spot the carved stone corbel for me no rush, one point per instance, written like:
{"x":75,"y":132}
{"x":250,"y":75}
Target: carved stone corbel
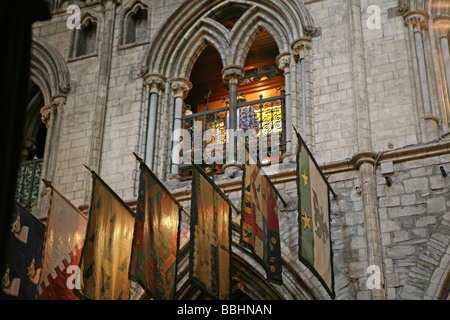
{"x":312,"y":31}
{"x":403,"y":6}
{"x":46,"y":112}
{"x":64,"y":87}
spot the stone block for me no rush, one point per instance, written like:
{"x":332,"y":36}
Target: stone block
{"x":425,"y":221}
{"x":436,"y":205}
{"x":437,"y":182}
{"x":397,"y":212}
{"x":415,"y":184}
{"x":390,"y":225}
{"x":400,"y":251}
{"x":357,"y":269}
{"x":401,"y":235}
{"x":358,"y":243}
{"x":408,"y":199}
{"x":391,"y":201}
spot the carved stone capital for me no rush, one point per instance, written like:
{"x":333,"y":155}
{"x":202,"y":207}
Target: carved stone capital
{"x":180,"y":87}
{"x":418,"y":19}
{"x":58,"y":101}
{"x":283,"y":60}
{"x":233,"y":74}
{"x":301,"y":46}
{"x":364,"y":157}
{"x":156,"y":82}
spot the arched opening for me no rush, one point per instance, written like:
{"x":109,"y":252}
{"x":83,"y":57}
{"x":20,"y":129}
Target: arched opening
{"x":86,"y":38}
{"x":262,"y":75}
{"x":35,"y":130}
{"x":32,"y":150}
{"x":135,"y":28}
{"x":204,"y":104}
{"x":261,"y":97}
{"x":246,"y":284}
{"x":207,"y":85}
{"x":260,"y":102}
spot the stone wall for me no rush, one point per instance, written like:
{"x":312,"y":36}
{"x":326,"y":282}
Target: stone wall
{"x":413,"y":212}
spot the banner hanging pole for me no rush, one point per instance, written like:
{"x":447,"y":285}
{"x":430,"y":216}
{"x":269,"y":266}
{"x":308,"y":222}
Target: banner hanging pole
{"x":321,"y":173}
{"x":141,"y":161}
{"x":202,"y":172}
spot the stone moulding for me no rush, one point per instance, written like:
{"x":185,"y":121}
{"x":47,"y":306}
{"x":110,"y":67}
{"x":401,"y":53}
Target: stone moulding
{"x":289,"y":175}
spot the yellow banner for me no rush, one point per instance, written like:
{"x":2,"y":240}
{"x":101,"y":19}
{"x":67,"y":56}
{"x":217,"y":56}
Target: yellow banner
{"x":106,"y":254}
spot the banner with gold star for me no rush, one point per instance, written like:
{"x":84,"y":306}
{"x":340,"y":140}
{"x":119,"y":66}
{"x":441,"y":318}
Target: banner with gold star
{"x":314,"y":217}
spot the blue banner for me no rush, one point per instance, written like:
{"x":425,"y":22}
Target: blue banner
{"x":24,"y":256}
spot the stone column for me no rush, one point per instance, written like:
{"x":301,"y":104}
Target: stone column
{"x":364,"y":159}
{"x":180,"y":89}
{"x":51,"y":116}
{"x":301,"y":48}
{"x":156,"y":83}
{"x":442,"y":28}
{"x":417,"y":22}
{"x":98,"y":128}
{"x":365,"y":162}
{"x":283,"y":61}
{"x":232,"y":75}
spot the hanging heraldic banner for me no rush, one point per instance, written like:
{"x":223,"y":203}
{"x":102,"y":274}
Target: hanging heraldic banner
{"x":156,"y":238}
{"x":314,"y":217}
{"x":64,"y":241}
{"x":105,"y":258}
{"x":210,"y":255}
{"x":259,"y":219}
{"x":23,"y":262}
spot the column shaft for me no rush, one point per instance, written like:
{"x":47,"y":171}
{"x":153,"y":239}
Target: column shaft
{"x":151,"y":130}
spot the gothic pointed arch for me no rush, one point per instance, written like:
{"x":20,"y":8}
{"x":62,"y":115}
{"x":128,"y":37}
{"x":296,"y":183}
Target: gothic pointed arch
{"x":48,"y":89}
{"x":48,"y":69}
{"x":249,"y":30}
{"x":285,"y":20}
{"x":249,"y":282}
{"x":188,"y":51}
{"x":134,"y":22}
{"x":84,"y":41}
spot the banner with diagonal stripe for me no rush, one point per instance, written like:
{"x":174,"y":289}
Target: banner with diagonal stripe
{"x":259,"y":218}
